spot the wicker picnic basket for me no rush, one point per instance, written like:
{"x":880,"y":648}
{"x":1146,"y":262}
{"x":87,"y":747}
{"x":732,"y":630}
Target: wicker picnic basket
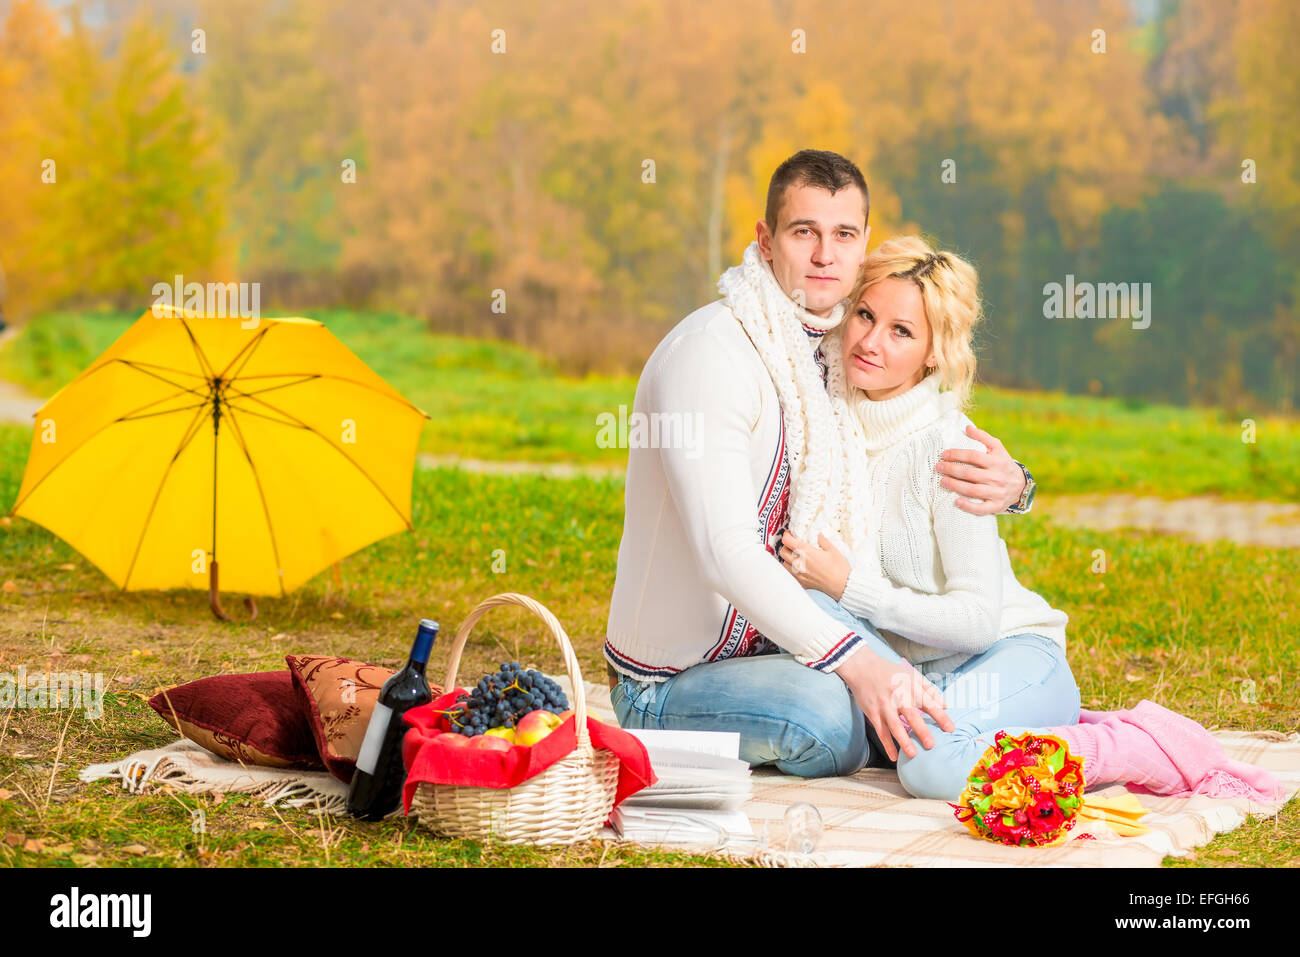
{"x":566,"y":803}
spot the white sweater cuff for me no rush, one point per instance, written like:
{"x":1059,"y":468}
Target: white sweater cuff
{"x":864,"y":594}
{"x":831,"y":647}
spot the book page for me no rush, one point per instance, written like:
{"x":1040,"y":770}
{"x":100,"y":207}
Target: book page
{"x":723,"y":744}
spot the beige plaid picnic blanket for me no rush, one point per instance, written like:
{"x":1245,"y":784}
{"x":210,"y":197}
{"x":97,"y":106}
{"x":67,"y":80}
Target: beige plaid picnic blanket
{"x":869,"y":820}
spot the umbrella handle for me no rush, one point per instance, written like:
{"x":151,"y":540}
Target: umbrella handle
{"x":214,"y":598}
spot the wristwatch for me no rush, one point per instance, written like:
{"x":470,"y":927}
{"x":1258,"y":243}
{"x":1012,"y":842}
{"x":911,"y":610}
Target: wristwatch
{"x":1027,"y":496}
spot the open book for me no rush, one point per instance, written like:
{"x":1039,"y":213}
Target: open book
{"x":702,"y":787}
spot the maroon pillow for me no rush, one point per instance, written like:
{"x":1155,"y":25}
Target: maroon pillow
{"x":252,"y":718}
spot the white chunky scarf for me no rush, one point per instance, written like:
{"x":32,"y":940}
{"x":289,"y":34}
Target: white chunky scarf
{"x":824,"y":442}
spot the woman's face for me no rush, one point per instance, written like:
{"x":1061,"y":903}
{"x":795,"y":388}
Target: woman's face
{"x":887,"y":340}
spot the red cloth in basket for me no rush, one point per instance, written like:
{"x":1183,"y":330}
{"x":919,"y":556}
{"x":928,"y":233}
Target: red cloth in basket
{"x":428,"y":759}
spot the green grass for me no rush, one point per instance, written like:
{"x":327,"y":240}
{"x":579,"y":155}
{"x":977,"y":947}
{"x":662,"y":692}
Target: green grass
{"x":491,"y":400}
{"x":1186,"y":625}
{"x":1083,"y":444}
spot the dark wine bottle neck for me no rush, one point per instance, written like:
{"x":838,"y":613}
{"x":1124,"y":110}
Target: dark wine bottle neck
{"x":424,"y":638}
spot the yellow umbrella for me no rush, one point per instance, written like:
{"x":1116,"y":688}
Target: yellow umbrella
{"x":192,"y":438}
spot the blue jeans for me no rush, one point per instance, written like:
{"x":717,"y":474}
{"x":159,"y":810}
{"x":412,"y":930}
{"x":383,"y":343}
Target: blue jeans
{"x":801,"y":720}
{"x":806,"y":722}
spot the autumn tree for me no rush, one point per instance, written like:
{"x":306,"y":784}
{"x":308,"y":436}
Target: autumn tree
{"x":29,"y":44}
{"x":139,"y":188}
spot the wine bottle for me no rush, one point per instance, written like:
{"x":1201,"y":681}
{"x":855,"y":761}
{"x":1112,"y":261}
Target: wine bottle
{"x":376,"y":787}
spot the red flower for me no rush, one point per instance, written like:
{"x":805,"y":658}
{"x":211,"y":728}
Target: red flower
{"x":1045,"y":816}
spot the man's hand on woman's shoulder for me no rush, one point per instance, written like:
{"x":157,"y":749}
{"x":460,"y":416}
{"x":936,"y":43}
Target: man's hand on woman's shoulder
{"x":986,"y":482}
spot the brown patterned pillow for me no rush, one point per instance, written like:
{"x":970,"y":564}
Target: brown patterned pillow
{"x":251,"y":718}
{"x":337,"y":697}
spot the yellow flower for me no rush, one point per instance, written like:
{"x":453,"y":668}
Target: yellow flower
{"x":1011,"y":791}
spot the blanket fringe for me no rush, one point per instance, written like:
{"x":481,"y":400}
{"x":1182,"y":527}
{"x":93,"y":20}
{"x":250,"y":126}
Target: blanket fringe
{"x":301,"y":794}
{"x":1219,"y":783}
{"x":145,"y":776}
{"x":768,"y":857}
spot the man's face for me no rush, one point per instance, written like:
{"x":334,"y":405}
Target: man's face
{"x":819,"y":242}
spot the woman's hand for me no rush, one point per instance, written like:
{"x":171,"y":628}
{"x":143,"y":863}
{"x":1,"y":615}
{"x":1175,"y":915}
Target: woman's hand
{"x":891,"y":693}
{"x":991,"y":481}
{"x":824,"y":569}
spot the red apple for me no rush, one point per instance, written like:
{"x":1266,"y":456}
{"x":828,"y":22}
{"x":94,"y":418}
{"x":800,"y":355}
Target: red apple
{"x":490,"y":742}
{"x":450,"y":739}
{"x":536,"y":725}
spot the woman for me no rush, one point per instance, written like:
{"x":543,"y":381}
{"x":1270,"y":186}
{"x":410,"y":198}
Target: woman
{"x":936,"y":581}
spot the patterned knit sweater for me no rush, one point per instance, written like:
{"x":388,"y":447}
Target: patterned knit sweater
{"x":937,"y":582}
{"x":698,"y":579}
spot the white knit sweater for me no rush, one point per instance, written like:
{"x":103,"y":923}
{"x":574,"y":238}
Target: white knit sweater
{"x":700,"y":523}
{"x":938,"y":583}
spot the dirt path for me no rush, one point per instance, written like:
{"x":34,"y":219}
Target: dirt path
{"x":16,"y":405}
{"x":1200,"y":519}
{"x":551,"y":469}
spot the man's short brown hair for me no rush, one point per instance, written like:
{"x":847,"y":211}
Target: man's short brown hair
{"x":819,"y":168}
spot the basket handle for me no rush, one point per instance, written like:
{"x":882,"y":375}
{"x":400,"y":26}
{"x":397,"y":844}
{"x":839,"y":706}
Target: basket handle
{"x":557,"y":631}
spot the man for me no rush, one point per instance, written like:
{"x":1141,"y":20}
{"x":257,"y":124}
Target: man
{"x":707,"y":631}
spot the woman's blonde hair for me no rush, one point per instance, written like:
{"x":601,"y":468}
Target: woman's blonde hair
{"x":950,"y":291}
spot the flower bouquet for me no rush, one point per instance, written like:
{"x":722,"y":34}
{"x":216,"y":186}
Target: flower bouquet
{"x":1025,"y":791}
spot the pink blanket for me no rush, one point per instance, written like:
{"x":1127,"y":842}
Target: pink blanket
{"x":1196,"y":754}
